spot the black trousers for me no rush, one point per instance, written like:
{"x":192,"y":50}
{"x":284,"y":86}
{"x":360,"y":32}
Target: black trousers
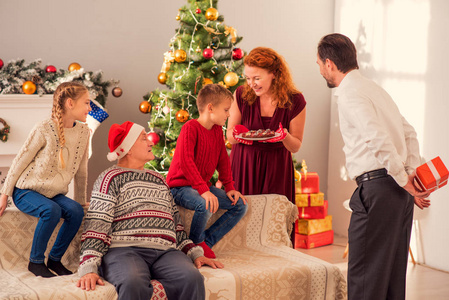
{"x":379,"y":239}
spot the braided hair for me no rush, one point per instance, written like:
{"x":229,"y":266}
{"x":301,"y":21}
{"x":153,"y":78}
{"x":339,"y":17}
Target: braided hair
{"x":73,"y":90}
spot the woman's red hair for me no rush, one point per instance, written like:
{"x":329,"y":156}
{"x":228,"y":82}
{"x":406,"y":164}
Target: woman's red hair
{"x":282,"y":86}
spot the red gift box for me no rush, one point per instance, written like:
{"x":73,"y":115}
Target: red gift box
{"x":314,"y":240}
{"x":309,"y":184}
{"x":313,"y":212}
{"x":432,"y":175}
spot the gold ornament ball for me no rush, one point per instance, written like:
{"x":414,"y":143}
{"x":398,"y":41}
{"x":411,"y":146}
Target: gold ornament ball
{"x":178,"y":17}
{"x":231,"y":79}
{"x":228,"y":144}
{"x":211,"y":14}
{"x":28,"y":87}
{"x":145,"y":107}
{"x":223,"y":84}
{"x":162,"y":78}
{"x":207,"y":81}
{"x":172,"y":152}
{"x":180,"y":55}
{"x":74,"y":67}
{"x":182,"y":116}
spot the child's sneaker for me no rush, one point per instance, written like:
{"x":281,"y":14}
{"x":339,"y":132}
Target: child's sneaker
{"x":207,"y":251}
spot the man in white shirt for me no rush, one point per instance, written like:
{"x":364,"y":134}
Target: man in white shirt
{"x":382,"y":153}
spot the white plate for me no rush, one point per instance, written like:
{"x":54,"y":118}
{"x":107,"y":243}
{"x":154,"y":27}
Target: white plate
{"x":257,"y":139}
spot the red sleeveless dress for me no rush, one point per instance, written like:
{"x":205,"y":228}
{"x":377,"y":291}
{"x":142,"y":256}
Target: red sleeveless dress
{"x":264,"y":168}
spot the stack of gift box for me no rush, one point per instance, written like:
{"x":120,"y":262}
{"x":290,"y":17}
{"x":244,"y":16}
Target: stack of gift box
{"x":314,"y":226}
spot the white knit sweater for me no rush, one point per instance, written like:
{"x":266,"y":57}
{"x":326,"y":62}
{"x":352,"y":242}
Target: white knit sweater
{"x":37,"y":166}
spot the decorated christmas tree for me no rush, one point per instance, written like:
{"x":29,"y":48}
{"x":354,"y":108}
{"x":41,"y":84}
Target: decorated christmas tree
{"x":202,"y":51}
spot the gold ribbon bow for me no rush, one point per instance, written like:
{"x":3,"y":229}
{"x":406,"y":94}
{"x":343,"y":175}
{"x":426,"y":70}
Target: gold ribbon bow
{"x":233,"y":32}
{"x":169,"y":57}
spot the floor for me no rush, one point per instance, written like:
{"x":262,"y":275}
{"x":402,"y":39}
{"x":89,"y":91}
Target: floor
{"x":422,"y":282}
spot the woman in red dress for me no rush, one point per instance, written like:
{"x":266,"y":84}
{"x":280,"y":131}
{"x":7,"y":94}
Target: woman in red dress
{"x":268,"y":100}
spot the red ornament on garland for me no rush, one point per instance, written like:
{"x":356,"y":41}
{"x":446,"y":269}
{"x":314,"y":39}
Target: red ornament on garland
{"x":237,"y":54}
{"x":208,"y":53}
{"x":50,"y":69}
{"x":198,"y":11}
{"x":153,"y":137}
{"x":1,"y":63}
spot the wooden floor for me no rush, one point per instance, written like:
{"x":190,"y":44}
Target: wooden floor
{"x":422,"y":282}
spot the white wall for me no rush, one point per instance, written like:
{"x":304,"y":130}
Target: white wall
{"x":127,"y":41}
{"x":403,"y":46}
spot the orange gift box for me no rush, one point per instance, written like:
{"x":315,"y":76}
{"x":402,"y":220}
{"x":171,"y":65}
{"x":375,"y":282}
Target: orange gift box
{"x":314,"y":226}
{"x":314,"y":240}
{"x":313,"y":212}
{"x":309,"y":183}
{"x":304,"y":200}
{"x":432,"y":175}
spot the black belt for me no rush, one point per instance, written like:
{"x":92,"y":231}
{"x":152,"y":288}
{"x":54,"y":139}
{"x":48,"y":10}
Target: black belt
{"x":371,"y":175}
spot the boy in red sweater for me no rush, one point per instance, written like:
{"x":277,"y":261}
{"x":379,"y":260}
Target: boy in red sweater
{"x":200,"y":151}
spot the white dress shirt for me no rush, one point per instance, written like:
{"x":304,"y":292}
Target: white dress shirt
{"x":375,"y":134}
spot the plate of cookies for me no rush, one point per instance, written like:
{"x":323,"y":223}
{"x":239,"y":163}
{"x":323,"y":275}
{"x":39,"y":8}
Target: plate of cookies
{"x":258,"y":135}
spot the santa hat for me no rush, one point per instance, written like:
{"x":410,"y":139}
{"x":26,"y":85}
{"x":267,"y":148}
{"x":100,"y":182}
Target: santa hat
{"x":122,"y":138}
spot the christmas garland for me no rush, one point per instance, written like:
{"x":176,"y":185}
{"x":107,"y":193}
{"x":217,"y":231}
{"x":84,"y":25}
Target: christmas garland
{"x":4,"y":131}
{"x":15,"y":73}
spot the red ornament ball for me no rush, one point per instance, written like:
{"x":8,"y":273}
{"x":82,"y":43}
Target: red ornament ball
{"x":208,"y":53}
{"x":198,"y":11}
{"x":237,"y":54}
{"x":50,"y":69}
{"x":1,"y":63}
{"x":153,"y":137}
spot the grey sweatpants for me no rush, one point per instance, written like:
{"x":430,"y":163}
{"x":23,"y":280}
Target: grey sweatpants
{"x":130,"y":270}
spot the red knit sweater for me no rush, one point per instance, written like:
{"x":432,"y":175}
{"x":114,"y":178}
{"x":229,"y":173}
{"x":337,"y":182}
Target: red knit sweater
{"x":199,"y":152}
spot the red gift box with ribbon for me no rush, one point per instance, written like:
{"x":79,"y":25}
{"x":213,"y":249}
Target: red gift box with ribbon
{"x":308,"y":183}
{"x":432,"y":175}
{"x":314,"y":240}
{"x":313,"y":212}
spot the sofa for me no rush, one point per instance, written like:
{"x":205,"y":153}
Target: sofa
{"x":257,"y":254}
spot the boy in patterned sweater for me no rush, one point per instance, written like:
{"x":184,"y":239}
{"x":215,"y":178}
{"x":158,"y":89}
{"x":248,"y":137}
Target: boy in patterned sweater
{"x":133,"y":232}
{"x":200,"y":150}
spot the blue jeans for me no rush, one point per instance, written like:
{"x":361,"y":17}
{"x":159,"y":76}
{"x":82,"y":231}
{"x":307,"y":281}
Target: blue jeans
{"x":49,"y":212}
{"x":130,"y":270}
{"x":189,"y":198}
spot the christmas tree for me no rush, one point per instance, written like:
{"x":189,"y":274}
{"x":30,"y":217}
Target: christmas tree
{"x":203,"y":51}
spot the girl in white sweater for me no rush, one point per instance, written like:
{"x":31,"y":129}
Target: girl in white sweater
{"x":55,"y":152}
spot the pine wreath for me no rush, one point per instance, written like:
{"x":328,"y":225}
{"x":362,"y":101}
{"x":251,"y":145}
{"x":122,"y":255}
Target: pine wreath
{"x":4,"y":131}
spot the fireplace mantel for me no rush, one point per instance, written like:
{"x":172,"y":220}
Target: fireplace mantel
{"x":22,"y":112}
